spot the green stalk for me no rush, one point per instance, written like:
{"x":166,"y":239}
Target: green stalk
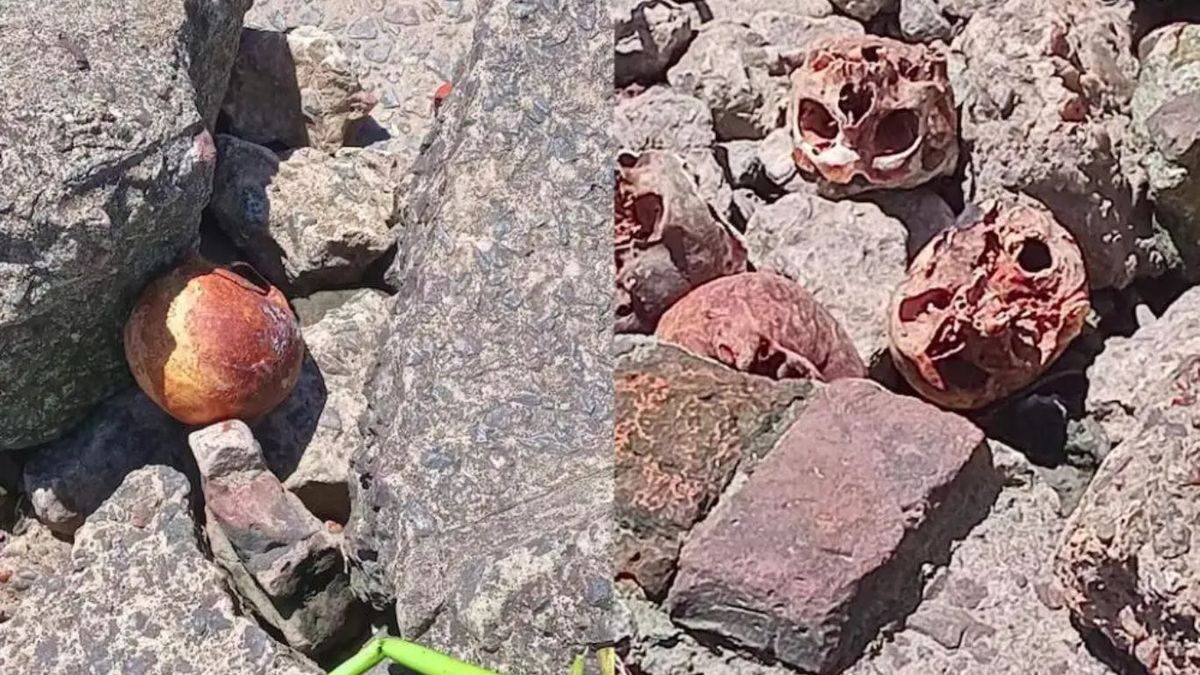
{"x":412,"y":656}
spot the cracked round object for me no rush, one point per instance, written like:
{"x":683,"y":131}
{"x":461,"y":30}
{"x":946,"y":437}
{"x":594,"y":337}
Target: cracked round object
{"x":869,"y":113}
{"x":210,"y":343}
{"x":985,"y":308}
{"x":763,"y":324}
{"x":667,"y":240}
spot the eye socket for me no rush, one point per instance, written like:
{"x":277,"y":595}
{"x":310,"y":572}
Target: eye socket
{"x":911,"y":308}
{"x":1034,"y":256}
{"x":815,"y":122}
{"x":897,"y":132}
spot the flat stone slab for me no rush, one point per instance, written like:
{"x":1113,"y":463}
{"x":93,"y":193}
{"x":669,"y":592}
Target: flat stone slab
{"x":825,"y":541}
{"x":683,"y":426}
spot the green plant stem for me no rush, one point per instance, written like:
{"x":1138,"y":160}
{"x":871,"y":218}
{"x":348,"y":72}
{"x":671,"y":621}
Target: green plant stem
{"x":412,"y":656}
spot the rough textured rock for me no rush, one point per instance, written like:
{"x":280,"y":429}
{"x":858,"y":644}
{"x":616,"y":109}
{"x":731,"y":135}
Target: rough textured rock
{"x":138,"y":595}
{"x":1126,"y":561}
{"x":744,"y":11}
{"x":683,"y":427}
{"x":662,"y":118}
{"x":1124,"y":376}
{"x":649,"y":36}
{"x":281,"y":558}
{"x":1043,"y":90}
{"x":482,"y":505}
{"x":994,"y":595}
{"x":70,"y":478}
{"x":762,"y":323}
{"x":106,"y":167}
{"x":310,"y":222}
{"x":864,"y":9}
{"x":849,"y":255}
{"x":308,"y":440}
{"x":825,"y":541}
{"x":922,"y":21}
{"x":790,"y":34}
{"x":295,"y":89}
{"x":726,"y":66}
{"x":922,"y":211}
{"x":29,"y":552}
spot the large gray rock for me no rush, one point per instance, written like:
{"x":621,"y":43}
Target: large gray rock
{"x":482,"y":506}
{"x":138,"y":595}
{"x":106,"y":165}
{"x":311,"y":221}
{"x":649,"y":35}
{"x":29,"y":552}
{"x":744,"y":11}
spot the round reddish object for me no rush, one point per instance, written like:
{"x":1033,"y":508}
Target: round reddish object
{"x":209,"y":343}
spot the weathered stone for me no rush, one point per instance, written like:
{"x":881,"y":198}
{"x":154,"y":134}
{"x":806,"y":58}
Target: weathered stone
{"x":744,"y":11}
{"x":792,"y":34}
{"x":849,"y":255}
{"x":683,"y":427}
{"x":923,"y":213}
{"x":825,"y":541}
{"x":1122,"y":380}
{"x":29,"y":552}
{"x":741,"y":162}
{"x":308,"y":440}
{"x":70,"y":478}
{"x":1126,"y":562}
{"x":649,"y":35}
{"x":922,"y":21}
{"x":726,"y":67}
{"x":988,"y":597}
{"x":106,"y":165}
{"x":864,"y":9}
{"x":296,"y":89}
{"x":482,"y":504}
{"x":1041,"y":87}
{"x":138,"y":595}
{"x":661,"y":118}
{"x":310,"y":222}
{"x":281,"y":559}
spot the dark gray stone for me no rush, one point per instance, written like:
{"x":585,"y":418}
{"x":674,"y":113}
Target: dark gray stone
{"x":482,"y":505}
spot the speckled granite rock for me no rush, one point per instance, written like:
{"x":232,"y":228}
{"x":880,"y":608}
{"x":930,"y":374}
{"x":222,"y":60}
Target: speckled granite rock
{"x":139,"y":596}
{"x":106,"y":165}
{"x":482,"y":505}
{"x":30,"y":551}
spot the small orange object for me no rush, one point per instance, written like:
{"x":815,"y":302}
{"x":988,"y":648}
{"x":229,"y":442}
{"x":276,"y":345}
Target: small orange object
{"x":440,"y":95}
{"x":209,"y":343}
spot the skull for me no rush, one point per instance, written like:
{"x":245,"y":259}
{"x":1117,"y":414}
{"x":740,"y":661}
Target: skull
{"x":667,"y":241}
{"x":871,"y":113}
{"x":764,"y":324}
{"x":987,"y":307}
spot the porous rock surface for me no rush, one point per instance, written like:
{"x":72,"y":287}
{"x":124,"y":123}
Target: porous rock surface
{"x":482,"y":505}
{"x":106,"y":165}
{"x":139,"y":595}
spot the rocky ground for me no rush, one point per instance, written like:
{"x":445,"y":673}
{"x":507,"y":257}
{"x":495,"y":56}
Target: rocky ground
{"x":993,"y":205}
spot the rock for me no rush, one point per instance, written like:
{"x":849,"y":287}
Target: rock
{"x":1041,"y":89}
{"x":1123,"y":378}
{"x":281,"y":558}
{"x":922,"y":211}
{"x":107,"y":165}
{"x":663,"y":119}
{"x":1126,"y":561}
{"x":922,"y":21}
{"x":308,"y":440}
{"x":70,"y":478}
{"x":296,"y":89}
{"x":402,"y":51}
{"x":726,"y":67}
{"x":649,"y":36}
{"x":482,"y":505}
{"x":138,"y":595}
{"x":1164,"y":122}
{"x":864,"y":9}
{"x":31,"y":551}
{"x":989,"y":597}
{"x":310,"y":222}
{"x":793,"y":33}
{"x":683,"y":427}
{"x":741,"y":162}
{"x":825,"y":542}
{"x":775,"y":154}
{"x":744,"y":11}
{"x":849,"y":255}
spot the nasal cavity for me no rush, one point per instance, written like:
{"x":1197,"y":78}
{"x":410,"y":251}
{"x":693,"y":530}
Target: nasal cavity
{"x":855,"y":101}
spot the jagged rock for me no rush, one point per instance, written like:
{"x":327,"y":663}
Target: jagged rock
{"x":70,"y":478}
{"x":138,"y":595}
{"x":106,"y":165}
{"x":824,"y":543}
{"x":281,"y":558}
{"x":744,"y":11}
{"x":726,"y":66}
{"x":402,"y":51}
{"x":864,"y":9}
{"x":1123,"y":378}
{"x":1126,"y":562}
{"x":31,"y":551}
{"x":649,"y":35}
{"x":1042,"y":87}
{"x":922,"y":21}
{"x":923,"y":213}
{"x":308,"y":440}
{"x":661,"y":118}
{"x":482,"y":506}
{"x":994,"y":593}
{"x":311,"y":221}
{"x":792,"y":34}
{"x":296,"y":89}
{"x":684,"y":425}
{"x":741,"y":162}
{"x":849,"y":255}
